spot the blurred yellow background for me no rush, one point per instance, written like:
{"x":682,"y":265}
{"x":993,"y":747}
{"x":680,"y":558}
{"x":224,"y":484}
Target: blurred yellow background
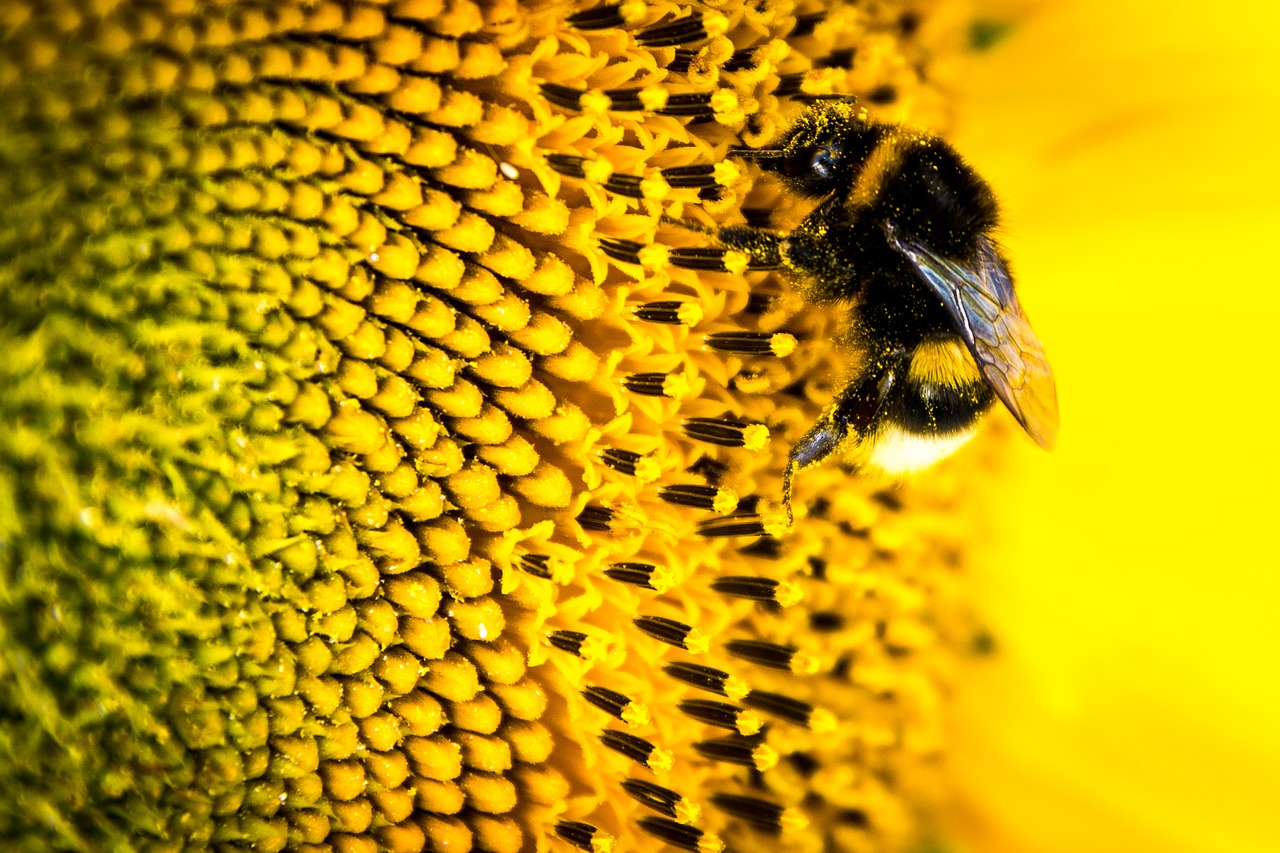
{"x":1135,"y":583}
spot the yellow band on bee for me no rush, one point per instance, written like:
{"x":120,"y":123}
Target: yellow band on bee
{"x":943,"y":362}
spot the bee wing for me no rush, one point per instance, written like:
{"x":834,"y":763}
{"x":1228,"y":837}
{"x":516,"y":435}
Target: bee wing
{"x":981,"y":301}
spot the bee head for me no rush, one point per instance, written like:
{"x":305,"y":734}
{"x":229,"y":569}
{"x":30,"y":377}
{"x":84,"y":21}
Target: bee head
{"x":823,"y":151}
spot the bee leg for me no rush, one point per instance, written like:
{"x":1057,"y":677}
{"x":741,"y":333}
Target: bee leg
{"x":824,"y":248}
{"x":822,"y":440}
{"x":817,"y":444}
{"x":763,"y":247}
{"x":855,"y":411}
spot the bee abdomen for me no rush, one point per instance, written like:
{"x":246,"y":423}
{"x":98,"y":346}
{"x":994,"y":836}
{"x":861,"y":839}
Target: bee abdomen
{"x":934,"y":409}
{"x":944,"y":392}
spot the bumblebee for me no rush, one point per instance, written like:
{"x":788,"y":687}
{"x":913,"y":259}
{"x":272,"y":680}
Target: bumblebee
{"x":902,"y":232}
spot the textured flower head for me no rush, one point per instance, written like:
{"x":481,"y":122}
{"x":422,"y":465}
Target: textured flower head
{"x":373,"y":478}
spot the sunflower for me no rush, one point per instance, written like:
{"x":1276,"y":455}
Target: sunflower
{"x":370,"y":478}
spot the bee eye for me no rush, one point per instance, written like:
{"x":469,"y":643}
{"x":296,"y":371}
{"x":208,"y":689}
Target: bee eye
{"x":823,"y":162}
